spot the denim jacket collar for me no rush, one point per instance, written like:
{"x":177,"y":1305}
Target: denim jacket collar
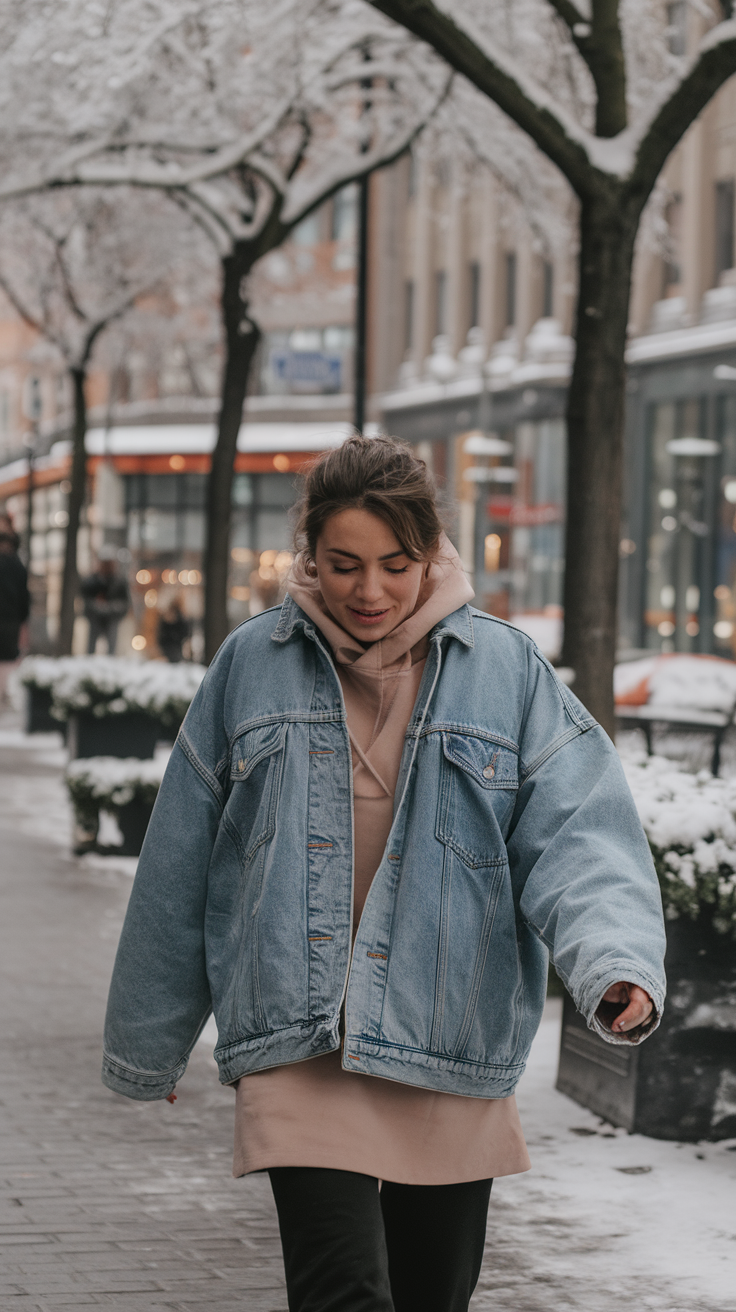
{"x":457,"y":625}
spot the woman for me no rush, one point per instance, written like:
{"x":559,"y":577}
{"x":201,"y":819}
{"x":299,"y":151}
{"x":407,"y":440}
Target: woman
{"x":382,"y":810}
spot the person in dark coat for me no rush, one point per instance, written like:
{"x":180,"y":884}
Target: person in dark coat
{"x":106,"y":600}
{"x":15,"y":601}
{"x":173,"y":631}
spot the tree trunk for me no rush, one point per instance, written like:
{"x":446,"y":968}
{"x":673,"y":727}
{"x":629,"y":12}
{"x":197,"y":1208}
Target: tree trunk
{"x":241,"y":339}
{"x":595,"y":421}
{"x":78,"y":479}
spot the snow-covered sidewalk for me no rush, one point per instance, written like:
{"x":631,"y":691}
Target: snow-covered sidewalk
{"x":604,"y":1221}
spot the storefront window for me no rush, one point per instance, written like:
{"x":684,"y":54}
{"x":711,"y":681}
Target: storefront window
{"x":684,"y":467}
{"x":520,"y":515}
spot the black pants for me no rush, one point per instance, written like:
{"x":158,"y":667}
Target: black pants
{"x":349,"y":1248}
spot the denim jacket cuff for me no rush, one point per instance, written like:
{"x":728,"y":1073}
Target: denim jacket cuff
{"x":633,"y":1037}
{"x":144,"y":1086}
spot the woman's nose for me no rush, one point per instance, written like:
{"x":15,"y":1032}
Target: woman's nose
{"x":370,"y":586}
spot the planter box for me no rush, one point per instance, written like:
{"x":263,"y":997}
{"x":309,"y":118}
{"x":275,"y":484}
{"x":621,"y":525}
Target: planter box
{"x":131,"y":734}
{"x":680,"y":1083}
{"x":38,"y":711}
{"x":133,"y":822}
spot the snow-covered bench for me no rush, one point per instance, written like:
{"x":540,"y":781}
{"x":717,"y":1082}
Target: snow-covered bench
{"x":678,"y":692}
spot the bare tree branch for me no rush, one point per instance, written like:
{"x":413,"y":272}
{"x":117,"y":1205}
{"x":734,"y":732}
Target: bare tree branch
{"x":714,"y":65}
{"x":562,"y":140}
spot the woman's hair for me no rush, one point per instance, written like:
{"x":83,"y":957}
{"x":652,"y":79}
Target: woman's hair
{"x":379,"y":474}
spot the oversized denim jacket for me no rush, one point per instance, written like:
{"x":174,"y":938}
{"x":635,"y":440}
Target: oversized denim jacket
{"x":514,"y":833}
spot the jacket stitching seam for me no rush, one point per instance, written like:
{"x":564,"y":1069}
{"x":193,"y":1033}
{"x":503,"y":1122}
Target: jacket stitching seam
{"x":205,"y":774}
{"x":575,"y":731}
{"x":358,"y":1040}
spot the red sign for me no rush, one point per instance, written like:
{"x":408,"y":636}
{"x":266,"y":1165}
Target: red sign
{"x":520,"y":515}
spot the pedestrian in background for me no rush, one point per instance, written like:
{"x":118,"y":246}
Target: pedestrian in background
{"x":173,"y":631}
{"x":382,"y":811}
{"x":15,"y":602}
{"x":106,"y":599}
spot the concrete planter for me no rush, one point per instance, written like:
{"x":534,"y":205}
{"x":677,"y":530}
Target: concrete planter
{"x":38,"y":711}
{"x":131,"y":734}
{"x":681,"y":1083}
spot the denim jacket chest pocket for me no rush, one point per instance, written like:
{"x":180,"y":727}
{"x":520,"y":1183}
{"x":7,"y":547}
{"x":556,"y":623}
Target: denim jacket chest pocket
{"x":255,"y":776}
{"x":478,"y":787}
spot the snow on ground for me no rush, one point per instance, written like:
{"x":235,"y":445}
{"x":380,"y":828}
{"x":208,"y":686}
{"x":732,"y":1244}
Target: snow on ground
{"x":615,"y":1220}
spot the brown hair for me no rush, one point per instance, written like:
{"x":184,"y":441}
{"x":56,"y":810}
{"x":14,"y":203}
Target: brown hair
{"x":379,"y":474}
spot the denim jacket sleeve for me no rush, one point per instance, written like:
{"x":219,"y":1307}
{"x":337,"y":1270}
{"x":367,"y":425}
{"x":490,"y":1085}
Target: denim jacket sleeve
{"x":159,"y":996}
{"x":582,"y":870}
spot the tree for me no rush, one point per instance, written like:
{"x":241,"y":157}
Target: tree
{"x":250,"y":118}
{"x":600,"y":88}
{"x":72,"y":264}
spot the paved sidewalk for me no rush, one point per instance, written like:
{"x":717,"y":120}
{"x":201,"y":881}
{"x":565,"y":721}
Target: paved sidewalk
{"x":106,"y":1202}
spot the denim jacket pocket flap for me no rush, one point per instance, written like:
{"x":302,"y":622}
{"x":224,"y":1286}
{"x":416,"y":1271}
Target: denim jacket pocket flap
{"x":253,"y":746}
{"x":489,"y":763}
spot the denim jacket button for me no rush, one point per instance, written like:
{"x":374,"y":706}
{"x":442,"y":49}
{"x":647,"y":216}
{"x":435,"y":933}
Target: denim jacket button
{"x":489,"y":772}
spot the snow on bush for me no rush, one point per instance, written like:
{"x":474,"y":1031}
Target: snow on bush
{"x":41,"y":671}
{"x":111,"y":685}
{"x":109,"y":783}
{"x":690,"y":822}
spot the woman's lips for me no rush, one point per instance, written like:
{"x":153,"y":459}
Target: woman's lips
{"x":368,"y":616}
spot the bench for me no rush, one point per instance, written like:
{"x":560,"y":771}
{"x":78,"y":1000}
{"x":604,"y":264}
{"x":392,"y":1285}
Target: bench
{"x":678,"y":717}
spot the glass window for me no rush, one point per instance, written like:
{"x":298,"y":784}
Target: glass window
{"x":724,"y":224}
{"x":683,"y":471}
{"x":344,"y":214}
{"x":510,"y":289}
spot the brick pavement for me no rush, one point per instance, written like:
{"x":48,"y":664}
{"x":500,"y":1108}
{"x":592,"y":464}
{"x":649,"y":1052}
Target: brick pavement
{"x":104,"y":1202}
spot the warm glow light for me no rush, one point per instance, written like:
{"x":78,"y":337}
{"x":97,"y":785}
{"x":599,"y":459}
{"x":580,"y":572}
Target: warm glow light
{"x":722,"y":593}
{"x":138,"y":642}
{"x":665,"y":629}
{"x":169,"y":576}
{"x":150,"y":598}
{"x":243,"y":555}
{"x":183,"y":576}
{"x":268,"y":557}
{"x":282,"y":563}
{"x":729,"y":491}
{"x":492,"y":553}
{"x":692,"y":628}
{"x":144,"y":576}
{"x":240,"y":594}
{"x":194,"y":576}
{"x":177,"y":462}
{"x":723,"y":629}
{"x":281,"y":463}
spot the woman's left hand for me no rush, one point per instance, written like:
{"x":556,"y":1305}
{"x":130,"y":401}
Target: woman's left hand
{"x":638,"y":1005}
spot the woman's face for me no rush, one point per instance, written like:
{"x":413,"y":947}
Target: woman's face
{"x":368,"y":582}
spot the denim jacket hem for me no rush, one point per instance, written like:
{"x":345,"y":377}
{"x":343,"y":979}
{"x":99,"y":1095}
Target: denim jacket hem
{"x":427,"y":1070}
{"x":282,"y":1047}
